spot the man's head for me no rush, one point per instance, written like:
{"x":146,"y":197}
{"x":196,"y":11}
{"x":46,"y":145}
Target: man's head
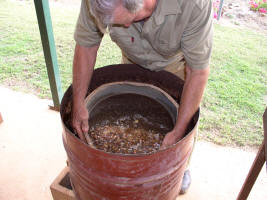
{"x":122,"y":12}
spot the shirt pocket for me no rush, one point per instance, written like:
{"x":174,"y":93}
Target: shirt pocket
{"x":167,"y":40}
{"x":127,"y":43}
{"x":167,"y":50}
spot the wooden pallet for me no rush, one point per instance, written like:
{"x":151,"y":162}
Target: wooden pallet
{"x":61,"y":187}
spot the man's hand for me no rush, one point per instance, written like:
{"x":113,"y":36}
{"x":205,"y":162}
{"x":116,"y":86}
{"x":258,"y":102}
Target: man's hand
{"x":80,"y":121}
{"x":171,"y":138}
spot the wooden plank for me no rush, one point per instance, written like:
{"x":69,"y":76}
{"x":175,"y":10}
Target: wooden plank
{"x":1,"y":118}
{"x":256,"y":167}
{"x":265,"y":132}
{"x":49,"y":49}
{"x":60,"y":188}
{"x":253,"y":174}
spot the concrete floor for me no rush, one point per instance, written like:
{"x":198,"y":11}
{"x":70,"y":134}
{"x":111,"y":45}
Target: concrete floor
{"x":32,"y":155}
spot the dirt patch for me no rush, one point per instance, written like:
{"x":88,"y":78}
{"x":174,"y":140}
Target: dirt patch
{"x":20,"y":85}
{"x":237,"y":13}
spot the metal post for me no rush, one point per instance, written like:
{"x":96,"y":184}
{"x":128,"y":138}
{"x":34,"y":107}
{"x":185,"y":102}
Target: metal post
{"x":220,"y":10}
{"x":47,"y":37}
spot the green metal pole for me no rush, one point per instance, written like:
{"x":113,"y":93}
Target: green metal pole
{"x":220,"y":10}
{"x":47,"y":37}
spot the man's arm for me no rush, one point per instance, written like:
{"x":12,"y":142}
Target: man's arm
{"x":195,"y":83}
{"x":83,"y":66}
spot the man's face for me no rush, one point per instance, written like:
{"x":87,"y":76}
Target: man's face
{"x":122,"y":16}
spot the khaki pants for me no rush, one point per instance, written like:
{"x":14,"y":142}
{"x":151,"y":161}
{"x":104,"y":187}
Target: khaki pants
{"x":178,"y":69}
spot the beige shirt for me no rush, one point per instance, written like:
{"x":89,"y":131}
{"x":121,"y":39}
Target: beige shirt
{"x":174,"y":26}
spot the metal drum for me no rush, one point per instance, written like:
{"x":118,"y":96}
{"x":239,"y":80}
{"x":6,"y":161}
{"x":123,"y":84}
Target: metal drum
{"x":96,"y":174}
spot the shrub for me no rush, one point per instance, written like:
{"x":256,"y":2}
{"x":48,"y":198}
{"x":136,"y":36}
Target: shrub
{"x":258,"y":5}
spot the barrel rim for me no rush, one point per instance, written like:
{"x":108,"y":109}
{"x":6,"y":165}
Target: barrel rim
{"x":105,"y":86}
{"x":68,"y":95}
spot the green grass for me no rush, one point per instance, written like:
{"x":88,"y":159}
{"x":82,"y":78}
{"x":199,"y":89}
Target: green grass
{"x":21,"y":54}
{"x":233,"y":104}
{"x":234,"y":100}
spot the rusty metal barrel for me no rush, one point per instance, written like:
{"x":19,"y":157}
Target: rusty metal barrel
{"x":96,"y":174}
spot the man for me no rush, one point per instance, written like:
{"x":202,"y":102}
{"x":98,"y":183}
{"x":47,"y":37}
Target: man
{"x":150,"y":33}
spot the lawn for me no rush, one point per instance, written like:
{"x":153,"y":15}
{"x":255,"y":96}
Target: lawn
{"x":234,"y":100}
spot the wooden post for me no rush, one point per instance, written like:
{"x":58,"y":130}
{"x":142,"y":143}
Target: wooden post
{"x":265,"y":133}
{"x":1,"y":119}
{"x":49,"y":49}
{"x":256,"y":167}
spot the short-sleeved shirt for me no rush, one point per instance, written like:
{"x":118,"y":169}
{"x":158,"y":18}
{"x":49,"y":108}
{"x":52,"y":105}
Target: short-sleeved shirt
{"x":174,"y":26}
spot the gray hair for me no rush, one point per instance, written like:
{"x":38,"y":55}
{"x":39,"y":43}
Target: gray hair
{"x":103,"y":10}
